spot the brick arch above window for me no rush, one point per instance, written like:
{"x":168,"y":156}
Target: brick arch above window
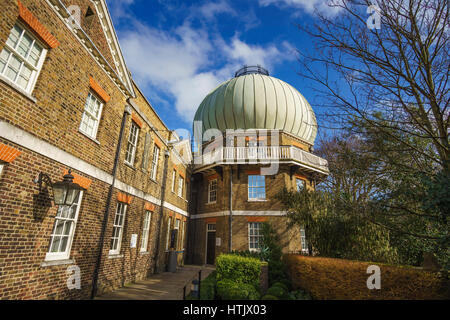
{"x":8,"y":154}
{"x":38,"y":28}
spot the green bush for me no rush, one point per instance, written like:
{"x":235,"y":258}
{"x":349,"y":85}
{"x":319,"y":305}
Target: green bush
{"x":240,"y":270}
{"x":230,"y":290}
{"x":208,"y":287}
{"x":282,"y":285}
{"x":277,"y":291}
{"x":269,"y":297}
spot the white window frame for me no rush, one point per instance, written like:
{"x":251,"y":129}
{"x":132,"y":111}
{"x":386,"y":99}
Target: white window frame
{"x":155,"y":160}
{"x":52,"y":256}
{"x":212,"y":191}
{"x":296,"y":183}
{"x":174,"y":176}
{"x":1,"y":168}
{"x":146,"y":230}
{"x":133,"y":138}
{"x":121,"y":209}
{"x":252,"y":180}
{"x":86,"y":114}
{"x":177,"y":227}
{"x":168,"y":234}
{"x":35,"y":70}
{"x":180,"y":186}
{"x":304,"y":243}
{"x":252,"y":226}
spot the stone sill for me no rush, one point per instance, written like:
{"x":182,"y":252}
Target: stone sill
{"x":51,"y":263}
{"x":115,"y":256}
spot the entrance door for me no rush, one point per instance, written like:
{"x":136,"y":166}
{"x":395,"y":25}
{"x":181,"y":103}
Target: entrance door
{"x":211,"y":244}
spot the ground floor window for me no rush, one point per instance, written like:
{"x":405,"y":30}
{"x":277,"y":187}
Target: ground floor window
{"x":255,"y":236}
{"x":64,"y":230}
{"x":168,"y":234}
{"x":145,"y":230}
{"x":119,"y":221}
{"x":303,"y":239}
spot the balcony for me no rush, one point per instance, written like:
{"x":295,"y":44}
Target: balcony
{"x":261,"y":155}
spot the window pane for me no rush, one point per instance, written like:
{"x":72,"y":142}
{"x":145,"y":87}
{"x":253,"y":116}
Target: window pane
{"x":14,"y":36}
{"x":24,"y":45}
{"x":35,"y":55}
{"x":13,"y":68}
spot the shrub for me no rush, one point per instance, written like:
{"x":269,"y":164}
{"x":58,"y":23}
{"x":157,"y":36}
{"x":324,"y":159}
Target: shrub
{"x":229,"y":290}
{"x":269,"y":297}
{"x":282,"y":285}
{"x":208,"y":287}
{"x":240,"y":270}
{"x":327,"y":278}
{"x":277,"y":291}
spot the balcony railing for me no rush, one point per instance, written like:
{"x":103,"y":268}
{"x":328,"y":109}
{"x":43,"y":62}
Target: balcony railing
{"x":229,"y":155}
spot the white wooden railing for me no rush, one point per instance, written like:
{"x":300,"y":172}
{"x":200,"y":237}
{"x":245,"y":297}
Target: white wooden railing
{"x":260,"y":154}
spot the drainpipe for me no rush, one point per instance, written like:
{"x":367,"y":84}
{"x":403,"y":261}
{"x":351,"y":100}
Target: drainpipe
{"x":126,"y":113}
{"x":230,"y":244}
{"x":161,"y":213}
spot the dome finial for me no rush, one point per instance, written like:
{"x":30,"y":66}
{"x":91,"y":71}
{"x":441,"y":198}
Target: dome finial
{"x":251,"y":70}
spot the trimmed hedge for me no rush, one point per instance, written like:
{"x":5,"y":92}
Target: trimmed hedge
{"x":238,"y":269}
{"x":327,"y":278}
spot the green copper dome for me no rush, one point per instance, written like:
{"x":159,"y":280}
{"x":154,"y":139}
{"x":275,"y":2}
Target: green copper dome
{"x":258,"y":101}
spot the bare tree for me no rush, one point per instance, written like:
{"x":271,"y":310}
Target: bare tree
{"x":393,"y":79}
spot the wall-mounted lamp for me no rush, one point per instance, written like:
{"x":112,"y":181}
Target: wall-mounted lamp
{"x":64,"y":192}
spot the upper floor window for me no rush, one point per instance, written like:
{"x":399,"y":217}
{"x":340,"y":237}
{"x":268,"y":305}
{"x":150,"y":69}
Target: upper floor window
{"x":255,"y":236}
{"x":256,"y":187}
{"x":119,"y":220}
{"x":91,"y":116}
{"x":180,"y":186}
{"x":155,"y":160}
{"x":212,"y":191}
{"x":145,"y":231}
{"x":300,"y":184}
{"x":22,"y":58}
{"x":1,"y":168}
{"x":132,"y":144}
{"x":63,"y":231}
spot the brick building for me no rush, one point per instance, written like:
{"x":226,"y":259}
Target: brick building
{"x":258,"y":134}
{"x":68,"y":102}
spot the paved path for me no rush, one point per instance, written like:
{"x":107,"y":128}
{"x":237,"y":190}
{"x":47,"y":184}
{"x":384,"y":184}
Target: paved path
{"x":163,"y":286}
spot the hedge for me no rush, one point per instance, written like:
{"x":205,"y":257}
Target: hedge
{"x":327,"y":278}
{"x":238,"y":269}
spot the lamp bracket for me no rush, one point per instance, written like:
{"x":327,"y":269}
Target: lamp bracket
{"x":41,"y":178}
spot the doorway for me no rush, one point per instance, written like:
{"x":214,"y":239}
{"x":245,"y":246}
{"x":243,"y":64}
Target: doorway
{"x":210,"y":244}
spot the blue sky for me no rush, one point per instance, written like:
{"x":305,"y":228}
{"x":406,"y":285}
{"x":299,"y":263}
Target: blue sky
{"x":180,"y":50}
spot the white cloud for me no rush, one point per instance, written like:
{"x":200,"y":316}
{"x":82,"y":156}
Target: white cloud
{"x":322,"y":6}
{"x":187,"y":63}
{"x":210,"y":9}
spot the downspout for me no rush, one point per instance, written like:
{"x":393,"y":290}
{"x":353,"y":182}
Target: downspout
{"x":126,"y":113}
{"x":230,"y":244}
{"x":161,"y":213}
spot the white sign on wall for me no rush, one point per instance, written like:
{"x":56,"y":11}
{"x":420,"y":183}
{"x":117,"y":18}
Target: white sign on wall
{"x":133,"y":241}
{"x":218,"y":242}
